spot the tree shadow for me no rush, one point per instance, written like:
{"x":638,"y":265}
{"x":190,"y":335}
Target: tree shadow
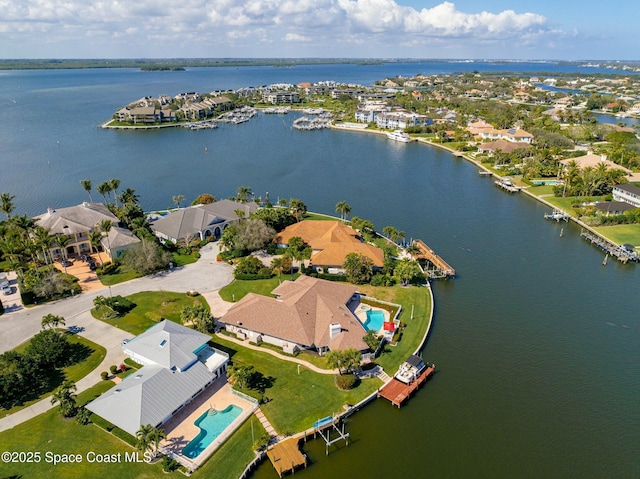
{"x":78,"y":352}
{"x":259,"y":382}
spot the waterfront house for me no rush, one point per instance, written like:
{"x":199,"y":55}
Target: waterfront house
{"x":613,"y":207}
{"x":501,"y":145}
{"x":331,"y":242}
{"x":200,"y":221}
{"x":117,"y":241}
{"x":629,"y":194}
{"x":75,"y":222}
{"x":511,"y":134}
{"x":400,"y":119}
{"x":177,"y":366}
{"x":307,"y":314}
{"x":592,"y":160}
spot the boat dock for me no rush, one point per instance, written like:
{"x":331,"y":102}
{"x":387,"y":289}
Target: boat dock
{"x":286,"y":456}
{"x":398,"y":392}
{"x":441,"y":268}
{"x":557,"y":215}
{"x":485,"y":173}
{"x":507,"y":185}
{"x":620,"y":253}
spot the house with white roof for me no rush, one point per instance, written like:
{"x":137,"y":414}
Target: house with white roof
{"x":177,"y":366}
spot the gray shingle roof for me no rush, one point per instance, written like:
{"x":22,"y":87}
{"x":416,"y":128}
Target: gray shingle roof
{"x":187,"y":222}
{"x":75,"y":219}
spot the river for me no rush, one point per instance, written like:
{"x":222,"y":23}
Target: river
{"x":536,"y":343}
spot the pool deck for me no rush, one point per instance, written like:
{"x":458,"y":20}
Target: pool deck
{"x":362,"y":314}
{"x":181,"y":429}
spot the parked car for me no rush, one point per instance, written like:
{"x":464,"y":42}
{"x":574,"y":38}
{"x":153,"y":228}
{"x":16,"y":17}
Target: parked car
{"x":66,"y":262}
{"x":6,"y":288}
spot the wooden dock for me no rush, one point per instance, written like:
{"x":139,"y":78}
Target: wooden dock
{"x":286,"y":456}
{"x":506,"y":185}
{"x":620,"y":253}
{"x":398,"y":392}
{"x":442,"y":269}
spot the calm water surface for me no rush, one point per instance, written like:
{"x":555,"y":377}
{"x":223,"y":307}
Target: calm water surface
{"x":536,"y":344}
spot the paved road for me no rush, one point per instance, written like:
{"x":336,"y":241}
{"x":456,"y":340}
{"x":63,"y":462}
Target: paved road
{"x":205,"y":276}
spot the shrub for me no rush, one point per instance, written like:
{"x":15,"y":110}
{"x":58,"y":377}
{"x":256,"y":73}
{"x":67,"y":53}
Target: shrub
{"x":113,"y":369}
{"x":169,"y":464}
{"x":345,"y":382}
{"x":192,"y":294}
{"x":83,"y":416}
{"x":104,"y":375}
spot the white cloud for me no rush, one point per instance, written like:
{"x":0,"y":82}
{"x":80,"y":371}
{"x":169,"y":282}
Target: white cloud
{"x":296,"y":37}
{"x":321,"y":22}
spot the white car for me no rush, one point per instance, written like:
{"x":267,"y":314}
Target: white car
{"x":6,"y":289}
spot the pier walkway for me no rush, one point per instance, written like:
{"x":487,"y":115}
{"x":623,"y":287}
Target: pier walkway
{"x":618,"y":252}
{"x":442,"y":268}
{"x":397,"y":392}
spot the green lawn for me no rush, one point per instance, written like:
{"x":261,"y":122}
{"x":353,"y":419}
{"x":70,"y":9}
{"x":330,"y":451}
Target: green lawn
{"x":238,"y":289}
{"x":621,"y":234}
{"x":86,"y":354}
{"x":48,"y":432}
{"x":120,"y":275}
{"x":541,"y":190}
{"x":234,"y":455}
{"x":419,"y":298}
{"x":153,"y":306}
{"x":320,"y":216}
{"x":296,"y":400}
{"x":183,"y":259}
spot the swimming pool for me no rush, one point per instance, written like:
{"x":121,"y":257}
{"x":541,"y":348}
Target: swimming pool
{"x":212,"y":423}
{"x":374,"y":321}
{"x":545,"y":182}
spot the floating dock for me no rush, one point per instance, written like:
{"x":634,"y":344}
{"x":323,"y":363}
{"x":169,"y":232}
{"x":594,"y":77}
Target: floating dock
{"x":440,"y":267}
{"x":286,"y":456}
{"x":398,"y":392}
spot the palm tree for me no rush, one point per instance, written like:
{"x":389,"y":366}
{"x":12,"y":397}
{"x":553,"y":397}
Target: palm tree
{"x":143,"y":437}
{"x":129,"y":196}
{"x":297,"y":208}
{"x":86,"y":184}
{"x":66,"y":398}
{"x":104,"y":189}
{"x":344,"y":209}
{"x":178,"y":199}
{"x":52,"y":321}
{"x":114,"y":184}
{"x":95,"y":237}
{"x":42,"y":240}
{"x":243,"y":194}
{"x":156,"y":435}
{"x":63,"y":241}
{"x":281,"y":264}
{"x":105,"y":227}
{"x":6,"y":204}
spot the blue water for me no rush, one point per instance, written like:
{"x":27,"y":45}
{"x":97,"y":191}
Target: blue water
{"x":211,"y":426}
{"x":374,"y":320}
{"x":555,"y":333}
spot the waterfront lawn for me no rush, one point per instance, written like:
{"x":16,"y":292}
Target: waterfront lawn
{"x":320,"y":216}
{"x":420,"y":299}
{"x":85,"y":357}
{"x":233,"y":456}
{"x":621,"y":234}
{"x":239,"y":288}
{"x":296,"y":401}
{"x":540,"y":190}
{"x":49,"y":432}
{"x":151,"y":308}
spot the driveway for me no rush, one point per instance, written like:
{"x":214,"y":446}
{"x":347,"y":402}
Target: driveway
{"x":205,"y":276}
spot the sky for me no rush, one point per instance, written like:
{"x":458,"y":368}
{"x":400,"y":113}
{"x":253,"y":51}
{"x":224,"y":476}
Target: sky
{"x":475,"y":29}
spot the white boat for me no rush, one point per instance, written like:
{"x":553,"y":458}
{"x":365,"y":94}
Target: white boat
{"x":399,"y":135}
